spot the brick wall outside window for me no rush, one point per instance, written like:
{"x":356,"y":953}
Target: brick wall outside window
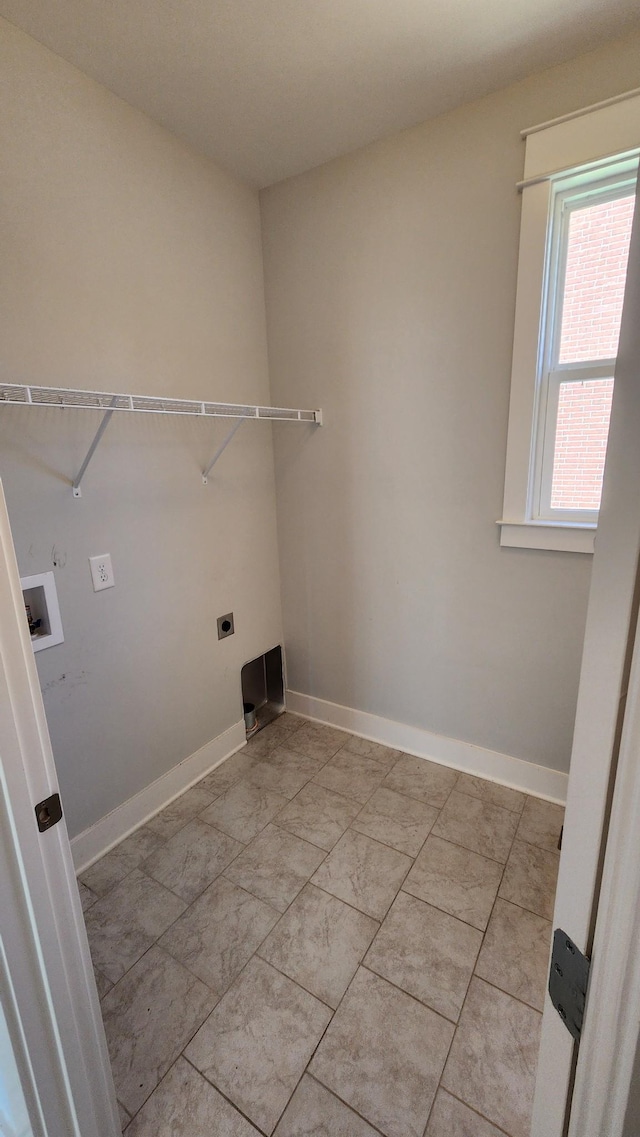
{"x":581,"y":442}
{"x":597,"y":254}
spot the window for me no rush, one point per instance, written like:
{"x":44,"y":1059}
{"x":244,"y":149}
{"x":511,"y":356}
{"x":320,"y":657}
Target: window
{"x":590,"y":229}
{"x":574,"y":247}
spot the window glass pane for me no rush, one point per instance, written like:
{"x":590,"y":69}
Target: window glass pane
{"x":584,"y":409}
{"x":597,"y":252}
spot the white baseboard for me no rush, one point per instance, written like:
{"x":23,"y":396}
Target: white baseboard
{"x":514,"y":772}
{"x":94,"y":842}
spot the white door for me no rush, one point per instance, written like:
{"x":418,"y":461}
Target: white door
{"x":55,"y":1075}
{"x":604,"y":683}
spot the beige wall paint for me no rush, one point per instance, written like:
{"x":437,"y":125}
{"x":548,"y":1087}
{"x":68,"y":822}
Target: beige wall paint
{"x":131,"y":263}
{"x":390,"y":283}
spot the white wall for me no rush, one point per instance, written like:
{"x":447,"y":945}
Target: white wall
{"x":131,"y":263}
{"x":390,"y":282}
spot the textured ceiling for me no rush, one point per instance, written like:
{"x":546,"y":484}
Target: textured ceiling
{"x":273,"y":87}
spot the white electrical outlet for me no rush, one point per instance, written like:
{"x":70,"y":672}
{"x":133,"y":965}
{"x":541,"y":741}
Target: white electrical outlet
{"x":101,"y":572}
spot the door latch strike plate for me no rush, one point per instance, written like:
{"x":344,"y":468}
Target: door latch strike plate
{"x":568,"y":979}
{"x":48,"y":812}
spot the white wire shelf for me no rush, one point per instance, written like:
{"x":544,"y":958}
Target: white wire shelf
{"x":17,"y":394}
{"x":20,"y":395}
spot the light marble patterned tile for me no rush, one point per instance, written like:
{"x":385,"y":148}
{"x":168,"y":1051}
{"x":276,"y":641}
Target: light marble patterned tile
{"x":288,"y":722}
{"x":383,"y":1055}
{"x":314,"y":1112}
{"x":285,"y":759}
{"x":124,"y":1117}
{"x":529,"y":879}
{"x":219,"y":933}
{"x":451,"y":1118}
{"x":186,"y":1105}
{"x":351,"y":775}
{"x":256,"y":1043}
{"x":122,"y":925}
{"x":228,"y":773}
{"x":424,"y":780}
{"x":274,"y":735}
{"x":375,"y":750}
{"x":283,"y":771}
{"x":363,"y":873}
{"x":261,"y":743}
{"x":492,"y":792}
{"x":87,"y":897}
{"x":319,"y":943}
{"x":477,"y":825}
{"x":493,"y":1059}
{"x":118,"y":863}
{"x":318,"y":815}
{"x":460,"y":882}
{"x":515,"y":953}
{"x":427,"y":953}
{"x":171,"y":819}
{"x":541,"y":823}
{"x":192,"y":859}
{"x":396,"y":820}
{"x":317,"y":740}
{"x":244,"y":810}
{"x":148,"y":1017}
{"x":103,"y":984}
{"x":275,"y":866}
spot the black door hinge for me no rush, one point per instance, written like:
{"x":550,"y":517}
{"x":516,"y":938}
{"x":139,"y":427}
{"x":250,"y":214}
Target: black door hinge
{"x":48,"y":812}
{"x":568,"y":979}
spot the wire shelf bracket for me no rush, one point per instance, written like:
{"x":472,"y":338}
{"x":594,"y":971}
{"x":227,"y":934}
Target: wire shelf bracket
{"x":14,"y":394}
{"x":106,"y":419}
{"x":222,"y":447}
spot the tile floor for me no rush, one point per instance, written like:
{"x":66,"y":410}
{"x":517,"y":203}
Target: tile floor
{"x":327,"y":938}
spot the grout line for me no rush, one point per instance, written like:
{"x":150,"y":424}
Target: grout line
{"x":288,"y":977}
{"x":220,"y":994}
{"x":443,"y":1067}
{"x":321,"y":848}
{"x":412,"y":797}
{"x":494,"y":804}
{"x":379,"y":841}
{"x":297,"y":981}
{"x":348,"y":903}
{"x":502,"y":991}
{"x":180,"y":1055}
{"x":316,"y":1047}
{"x":469,"y":1107}
{"x":223,"y":1095}
{"x":315,"y":1078}
{"x":445,"y":1088}
{"x":445,"y":912}
{"x":403,"y":991}
{"x":155,"y":944}
{"x":330,"y":1088}
{"x":394,"y":848}
{"x":541,"y":848}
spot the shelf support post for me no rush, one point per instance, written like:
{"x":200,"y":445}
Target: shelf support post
{"x":106,"y":419}
{"x":222,"y":447}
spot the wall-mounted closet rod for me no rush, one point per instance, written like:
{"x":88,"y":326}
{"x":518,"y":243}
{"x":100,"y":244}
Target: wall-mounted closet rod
{"x":16,"y":394}
{"x":21,"y":395}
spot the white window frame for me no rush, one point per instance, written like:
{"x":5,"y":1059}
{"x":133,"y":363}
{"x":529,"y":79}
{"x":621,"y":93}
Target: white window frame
{"x":563,"y":158}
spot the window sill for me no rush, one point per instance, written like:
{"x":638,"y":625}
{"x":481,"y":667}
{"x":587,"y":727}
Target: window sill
{"x":557,"y":536}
